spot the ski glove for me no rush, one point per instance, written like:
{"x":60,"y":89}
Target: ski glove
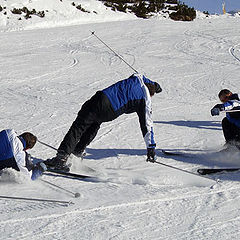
{"x":38,"y":170}
{"x":151,"y":155}
{"x":158,"y":89}
{"x":28,"y":162}
{"x":234,"y":96}
{"x":215,"y":111}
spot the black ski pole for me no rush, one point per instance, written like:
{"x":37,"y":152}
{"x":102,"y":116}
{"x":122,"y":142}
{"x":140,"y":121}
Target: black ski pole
{"x":47,"y":145}
{"x":76,"y":195}
{"x":185,"y":171}
{"x":35,"y":199}
{"x":93,"y":33}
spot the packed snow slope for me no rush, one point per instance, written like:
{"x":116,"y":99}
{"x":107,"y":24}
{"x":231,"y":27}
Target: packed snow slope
{"x":47,"y":74}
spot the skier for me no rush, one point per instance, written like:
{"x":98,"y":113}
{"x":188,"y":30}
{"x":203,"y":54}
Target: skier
{"x":231,"y":123}
{"x":127,"y":96}
{"x":13,"y":153}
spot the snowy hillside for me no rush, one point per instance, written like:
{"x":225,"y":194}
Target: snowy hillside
{"x":32,"y":14}
{"x":48,"y":73}
{"x":57,"y":13}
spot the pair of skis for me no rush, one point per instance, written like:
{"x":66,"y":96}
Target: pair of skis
{"x":203,"y":171}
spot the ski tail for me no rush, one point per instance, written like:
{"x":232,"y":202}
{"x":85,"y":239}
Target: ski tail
{"x":206,"y":171}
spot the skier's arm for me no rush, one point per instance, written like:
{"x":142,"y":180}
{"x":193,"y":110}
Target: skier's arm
{"x":228,"y":106}
{"x":232,"y":105}
{"x":20,"y":158}
{"x":18,"y":152}
{"x":216,"y":109}
{"x":146,"y":124}
{"x":24,"y":161}
{"x":234,"y":96}
{"x":27,"y":167}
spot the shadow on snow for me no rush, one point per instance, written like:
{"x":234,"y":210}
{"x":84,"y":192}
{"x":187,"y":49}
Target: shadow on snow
{"x":211,"y":125}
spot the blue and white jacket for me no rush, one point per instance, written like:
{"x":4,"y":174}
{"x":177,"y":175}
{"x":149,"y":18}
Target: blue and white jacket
{"x":11,"y":147}
{"x":232,"y":104}
{"x":132,"y":95}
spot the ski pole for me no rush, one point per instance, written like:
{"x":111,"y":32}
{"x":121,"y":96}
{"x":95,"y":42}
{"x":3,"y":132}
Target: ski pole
{"x":185,"y":171}
{"x":47,"y":145}
{"x":229,"y":111}
{"x":93,"y":33}
{"x":36,"y":199}
{"x":76,"y":195}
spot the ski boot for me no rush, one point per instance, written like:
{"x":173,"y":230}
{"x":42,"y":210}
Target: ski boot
{"x":231,"y":146}
{"x":59,"y":162}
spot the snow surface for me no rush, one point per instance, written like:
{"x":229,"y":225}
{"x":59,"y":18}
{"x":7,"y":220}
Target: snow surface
{"x":47,"y":74}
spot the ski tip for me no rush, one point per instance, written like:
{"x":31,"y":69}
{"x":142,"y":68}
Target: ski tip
{"x":201,"y":171}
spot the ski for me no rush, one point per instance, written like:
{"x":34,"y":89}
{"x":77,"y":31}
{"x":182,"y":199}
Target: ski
{"x":205,"y":171}
{"x":68,"y":174}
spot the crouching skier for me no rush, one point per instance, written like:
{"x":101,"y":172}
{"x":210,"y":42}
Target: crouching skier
{"x":231,"y":123}
{"x":127,"y":96}
{"x":13,"y":153}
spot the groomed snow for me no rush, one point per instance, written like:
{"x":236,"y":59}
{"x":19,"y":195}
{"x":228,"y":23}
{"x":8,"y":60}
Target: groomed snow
{"x":47,"y":74}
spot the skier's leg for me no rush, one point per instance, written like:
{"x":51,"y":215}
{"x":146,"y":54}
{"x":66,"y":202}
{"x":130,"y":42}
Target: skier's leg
{"x":89,"y":118}
{"x":79,"y":127}
{"x":94,"y":110}
{"x":231,"y":131}
{"x":9,"y":163}
{"x":86,"y":139}
{"x":85,"y":118}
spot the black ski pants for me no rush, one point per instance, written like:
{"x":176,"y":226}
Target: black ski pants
{"x":230,"y":131}
{"x":85,"y":127}
{"x":9,"y":163}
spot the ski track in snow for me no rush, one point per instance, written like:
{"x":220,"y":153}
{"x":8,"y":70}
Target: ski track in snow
{"x":157,"y":215}
{"x":234,"y":51}
{"x":47,"y":74}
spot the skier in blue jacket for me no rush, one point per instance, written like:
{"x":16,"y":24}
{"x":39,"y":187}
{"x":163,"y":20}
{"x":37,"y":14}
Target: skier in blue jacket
{"x":13,"y":153}
{"x":127,"y":96}
{"x":231,"y":123}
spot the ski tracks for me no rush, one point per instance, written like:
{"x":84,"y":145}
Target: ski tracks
{"x":208,"y":48}
{"x":91,"y":46}
{"x":128,"y":219}
{"x":205,"y":46}
{"x":235,"y":52}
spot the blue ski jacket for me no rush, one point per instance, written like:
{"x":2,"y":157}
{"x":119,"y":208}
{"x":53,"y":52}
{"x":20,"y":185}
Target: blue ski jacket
{"x":12,"y":150}
{"x":233,"y":104}
{"x":132,"y":95}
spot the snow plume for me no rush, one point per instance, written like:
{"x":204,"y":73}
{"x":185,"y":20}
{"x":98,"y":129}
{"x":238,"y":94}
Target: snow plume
{"x":12,"y":176}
